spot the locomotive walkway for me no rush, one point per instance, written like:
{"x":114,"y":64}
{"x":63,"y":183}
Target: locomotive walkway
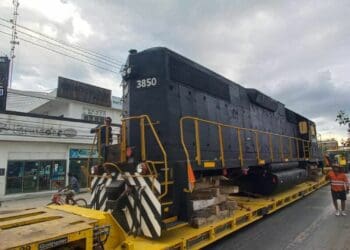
{"x":308,"y":224}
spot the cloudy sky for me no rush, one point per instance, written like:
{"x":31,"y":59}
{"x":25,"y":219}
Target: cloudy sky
{"x":298,"y":52}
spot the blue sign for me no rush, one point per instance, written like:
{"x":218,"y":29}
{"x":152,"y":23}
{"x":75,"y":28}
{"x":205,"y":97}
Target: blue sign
{"x":77,"y":153}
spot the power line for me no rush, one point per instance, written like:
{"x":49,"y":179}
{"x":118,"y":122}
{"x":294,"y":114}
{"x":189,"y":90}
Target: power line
{"x":93,"y":53}
{"x":68,"y":49}
{"x":14,"y":37}
{"x":61,"y":53}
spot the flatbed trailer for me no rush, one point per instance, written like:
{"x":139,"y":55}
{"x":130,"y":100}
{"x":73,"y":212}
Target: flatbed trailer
{"x":71,"y":226}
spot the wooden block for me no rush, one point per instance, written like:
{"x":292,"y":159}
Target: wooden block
{"x":200,"y":204}
{"x":223,"y":214}
{"x":231,"y":205}
{"x":229,"y":189}
{"x":221,"y":198}
{"x":202,"y":185}
{"x":212,"y":219}
{"x":198,"y":222}
{"x":215,"y":210}
{"x":204,"y":194}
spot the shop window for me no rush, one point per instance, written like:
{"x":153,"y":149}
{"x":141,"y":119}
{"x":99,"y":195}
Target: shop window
{"x":30,"y":176}
{"x":33,"y":176}
{"x":58,"y":174}
{"x":78,"y":164}
{"x":14,"y":177}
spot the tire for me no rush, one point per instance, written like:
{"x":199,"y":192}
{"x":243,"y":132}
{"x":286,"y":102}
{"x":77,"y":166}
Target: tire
{"x":80,"y":202}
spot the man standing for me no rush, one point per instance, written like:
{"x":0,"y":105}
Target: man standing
{"x":104,"y":136}
{"x":339,"y":188}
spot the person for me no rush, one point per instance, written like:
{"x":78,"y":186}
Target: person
{"x":339,"y":188}
{"x":104,"y":136}
{"x":73,"y":188}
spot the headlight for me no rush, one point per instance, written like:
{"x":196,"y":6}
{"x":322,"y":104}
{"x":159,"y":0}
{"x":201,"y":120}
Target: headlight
{"x":128,"y":71}
{"x":139,"y":168}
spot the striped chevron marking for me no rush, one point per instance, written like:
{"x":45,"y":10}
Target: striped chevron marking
{"x":142,"y":208}
{"x":94,"y":201}
{"x":98,"y":201}
{"x":148,"y":207}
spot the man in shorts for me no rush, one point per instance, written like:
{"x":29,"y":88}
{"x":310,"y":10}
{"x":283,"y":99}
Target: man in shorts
{"x":339,"y":188}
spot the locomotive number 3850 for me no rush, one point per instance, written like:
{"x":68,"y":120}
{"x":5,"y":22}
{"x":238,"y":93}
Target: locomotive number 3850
{"x":146,"y":83}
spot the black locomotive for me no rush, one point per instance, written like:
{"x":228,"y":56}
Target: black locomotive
{"x":202,"y":124}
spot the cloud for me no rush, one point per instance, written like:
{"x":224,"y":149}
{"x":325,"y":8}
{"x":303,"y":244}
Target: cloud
{"x":295,"y":51}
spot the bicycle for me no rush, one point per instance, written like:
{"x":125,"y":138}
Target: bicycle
{"x":57,"y":199}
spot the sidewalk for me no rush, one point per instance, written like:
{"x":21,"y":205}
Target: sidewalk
{"x":32,"y":202}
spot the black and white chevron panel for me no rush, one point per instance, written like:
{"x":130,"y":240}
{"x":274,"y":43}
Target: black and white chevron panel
{"x":142,"y":209}
{"x":98,"y":194}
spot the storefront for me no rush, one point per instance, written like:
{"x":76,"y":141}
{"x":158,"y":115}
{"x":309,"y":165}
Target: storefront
{"x":35,"y":175}
{"x":37,"y":153}
{"x":78,"y":163}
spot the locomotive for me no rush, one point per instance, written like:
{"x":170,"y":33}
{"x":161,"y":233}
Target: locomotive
{"x":182,"y":123}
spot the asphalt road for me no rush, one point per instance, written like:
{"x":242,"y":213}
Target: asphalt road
{"x":32,"y":202}
{"x":308,"y":224}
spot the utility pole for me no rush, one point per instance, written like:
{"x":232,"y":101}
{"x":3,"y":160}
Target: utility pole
{"x":14,"y":37}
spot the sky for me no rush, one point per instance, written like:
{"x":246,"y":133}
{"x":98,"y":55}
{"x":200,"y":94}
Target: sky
{"x":297,"y":52}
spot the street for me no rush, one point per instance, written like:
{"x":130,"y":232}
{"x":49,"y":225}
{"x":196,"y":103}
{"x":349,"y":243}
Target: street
{"x":306,"y":224}
{"x":34,"y":202}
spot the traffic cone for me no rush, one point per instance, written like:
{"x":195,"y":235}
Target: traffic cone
{"x":191,"y":177}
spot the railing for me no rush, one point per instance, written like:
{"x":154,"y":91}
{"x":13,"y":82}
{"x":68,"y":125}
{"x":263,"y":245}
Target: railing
{"x":305,"y":144}
{"x":96,"y":144}
{"x":144,"y":120}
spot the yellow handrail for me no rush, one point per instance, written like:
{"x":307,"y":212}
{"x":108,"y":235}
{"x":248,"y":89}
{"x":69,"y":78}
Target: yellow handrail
{"x":257,"y":146}
{"x":270,"y":147}
{"x":143,"y":139}
{"x":143,"y":145}
{"x":257,"y":132}
{"x":198,"y":144}
{"x":241,"y":160}
{"x":221,"y":144}
{"x":123,"y":142}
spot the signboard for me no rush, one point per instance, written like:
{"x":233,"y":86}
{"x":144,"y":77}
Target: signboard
{"x":82,"y":92}
{"x":78,"y":153}
{"x":25,"y":129}
{"x":116,"y":102}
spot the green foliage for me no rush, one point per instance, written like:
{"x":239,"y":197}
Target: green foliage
{"x":343,"y":118}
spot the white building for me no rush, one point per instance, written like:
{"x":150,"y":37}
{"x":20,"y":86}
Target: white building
{"x":43,"y":137}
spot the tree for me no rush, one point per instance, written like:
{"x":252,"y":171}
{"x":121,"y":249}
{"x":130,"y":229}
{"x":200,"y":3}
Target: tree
{"x":344,"y":119}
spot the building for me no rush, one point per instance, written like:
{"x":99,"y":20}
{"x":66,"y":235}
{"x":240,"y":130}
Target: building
{"x":330,"y":144}
{"x":45,"y":135}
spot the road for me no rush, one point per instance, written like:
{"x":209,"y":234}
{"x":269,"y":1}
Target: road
{"x":308,"y":224}
{"x":34,"y":202}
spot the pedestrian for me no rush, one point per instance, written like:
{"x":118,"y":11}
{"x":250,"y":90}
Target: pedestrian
{"x":104,"y":137}
{"x":339,"y":188}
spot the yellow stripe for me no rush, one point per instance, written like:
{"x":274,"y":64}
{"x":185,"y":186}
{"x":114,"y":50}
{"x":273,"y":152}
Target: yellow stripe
{"x":209,"y":164}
